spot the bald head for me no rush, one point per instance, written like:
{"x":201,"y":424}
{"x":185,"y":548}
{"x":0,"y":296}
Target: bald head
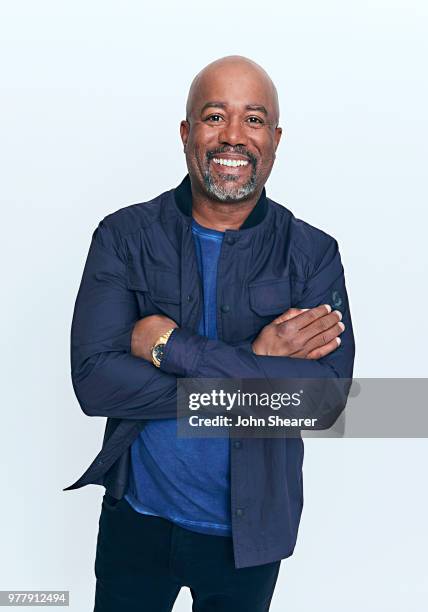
{"x":231,"y":132}
{"x":232,"y":68}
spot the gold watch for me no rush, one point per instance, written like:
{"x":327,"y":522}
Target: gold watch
{"x":158,"y":348}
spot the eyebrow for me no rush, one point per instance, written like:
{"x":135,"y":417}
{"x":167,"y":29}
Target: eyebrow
{"x":253,"y":107}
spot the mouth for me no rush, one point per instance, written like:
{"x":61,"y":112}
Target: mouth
{"x":230,"y":164}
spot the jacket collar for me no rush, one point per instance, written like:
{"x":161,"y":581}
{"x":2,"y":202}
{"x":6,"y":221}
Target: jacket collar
{"x":183,"y":198}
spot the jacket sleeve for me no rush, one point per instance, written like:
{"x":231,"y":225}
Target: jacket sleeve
{"x":194,"y":356}
{"x":107,"y":379}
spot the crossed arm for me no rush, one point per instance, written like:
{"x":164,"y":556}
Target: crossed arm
{"x":111,"y":371}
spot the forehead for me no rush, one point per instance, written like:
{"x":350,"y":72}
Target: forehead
{"x":235,"y":87}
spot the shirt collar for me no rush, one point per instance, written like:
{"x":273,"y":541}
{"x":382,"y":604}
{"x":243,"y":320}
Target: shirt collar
{"x":183,"y":199}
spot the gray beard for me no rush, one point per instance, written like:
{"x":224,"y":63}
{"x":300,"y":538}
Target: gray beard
{"x":230,"y":193}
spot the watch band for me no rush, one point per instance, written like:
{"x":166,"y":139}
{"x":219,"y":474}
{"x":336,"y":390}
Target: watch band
{"x":162,"y":340}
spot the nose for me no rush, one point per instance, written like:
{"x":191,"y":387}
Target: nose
{"x":233,"y":133}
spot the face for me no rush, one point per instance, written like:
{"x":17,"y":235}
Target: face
{"x":230,"y":139}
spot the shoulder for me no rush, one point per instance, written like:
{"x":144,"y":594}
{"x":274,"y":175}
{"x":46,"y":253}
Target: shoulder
{"x":134,"y":217}
{"x":116,"y":228}
{"x":309,"y":246}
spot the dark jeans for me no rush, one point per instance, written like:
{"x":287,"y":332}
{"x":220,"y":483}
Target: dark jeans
{"x":143,"y":561}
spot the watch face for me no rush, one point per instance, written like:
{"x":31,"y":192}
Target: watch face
{"x":158,"y":351}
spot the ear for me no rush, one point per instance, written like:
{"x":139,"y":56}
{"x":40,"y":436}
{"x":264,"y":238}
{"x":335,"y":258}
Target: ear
{"x":278,"y":134}
{"x":184,"y":132}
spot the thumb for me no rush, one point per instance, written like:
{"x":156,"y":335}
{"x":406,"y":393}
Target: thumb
{"x":289,"y":314}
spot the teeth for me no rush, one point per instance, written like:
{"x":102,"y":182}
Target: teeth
{"x":230,"y":162}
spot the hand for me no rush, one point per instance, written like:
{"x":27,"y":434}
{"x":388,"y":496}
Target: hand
{"x":309,"y":333}
{"x":145,"y":333}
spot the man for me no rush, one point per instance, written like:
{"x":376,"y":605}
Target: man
{"x":211,"y":279}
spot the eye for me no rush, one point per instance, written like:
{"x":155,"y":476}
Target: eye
{"x":257,"y":119}
{"x":211,"y":116}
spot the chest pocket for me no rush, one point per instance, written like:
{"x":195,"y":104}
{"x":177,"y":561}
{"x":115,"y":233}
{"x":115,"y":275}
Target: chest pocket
{"x":157,"y":291}
{"x":267,"y":300}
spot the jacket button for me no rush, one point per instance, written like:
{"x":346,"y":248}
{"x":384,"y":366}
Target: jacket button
{"x":225,"y":308}
{"x":230,"y":240}
{"x":189,"y":298}
{"x":239,"y":512}
{"x":237,"y":444}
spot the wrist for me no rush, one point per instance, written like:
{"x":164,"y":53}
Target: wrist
{"x":146,"y":332}
{"x":257,"y":348}
{"x":158,"y":347}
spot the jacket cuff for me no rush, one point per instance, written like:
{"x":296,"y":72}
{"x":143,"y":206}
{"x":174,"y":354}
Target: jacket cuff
{"x":247,"y":346}
{"x":183,"y":352}
{"x":123,"y":341}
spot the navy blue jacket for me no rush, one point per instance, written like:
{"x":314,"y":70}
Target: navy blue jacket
{"x":142,"y":261}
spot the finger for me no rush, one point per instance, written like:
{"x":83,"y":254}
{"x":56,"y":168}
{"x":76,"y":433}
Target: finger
{"x":322,"y":351}
{"x":324,"y":337}
{"x":321,"y":326}
{"x":311,"y":314}
{"x":289,"y":314}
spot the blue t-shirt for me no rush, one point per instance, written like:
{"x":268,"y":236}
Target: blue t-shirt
{"x":186,"y":480}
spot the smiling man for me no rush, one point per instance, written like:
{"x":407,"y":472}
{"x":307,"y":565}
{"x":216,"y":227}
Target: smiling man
{"x":211,"y":279}
{"x":251,"y":99}
{"x":230,"y":137}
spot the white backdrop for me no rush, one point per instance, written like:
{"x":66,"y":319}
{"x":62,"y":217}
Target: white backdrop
{"x":92,"y":94}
